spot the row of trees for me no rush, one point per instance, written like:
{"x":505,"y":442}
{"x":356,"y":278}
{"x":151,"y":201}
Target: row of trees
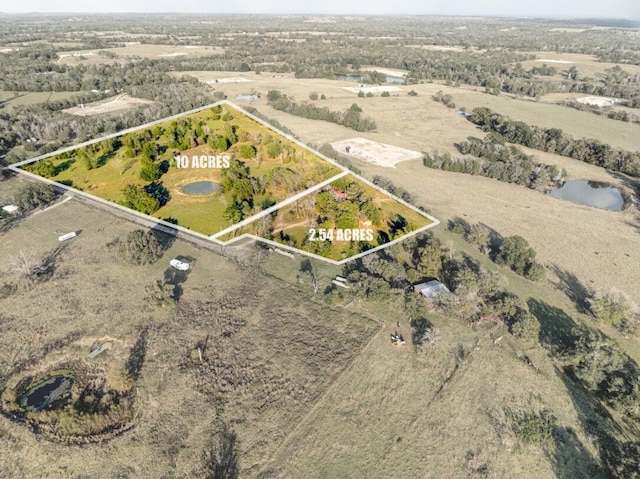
{"x":554,"y":140}
{"x":351,"y":118}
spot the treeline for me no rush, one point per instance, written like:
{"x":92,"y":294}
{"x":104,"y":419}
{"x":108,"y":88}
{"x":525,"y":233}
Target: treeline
{"x":621,"y":115}
{"x":351,"y":117}
{"x":492,"y":158}
{"x":554,"y":140}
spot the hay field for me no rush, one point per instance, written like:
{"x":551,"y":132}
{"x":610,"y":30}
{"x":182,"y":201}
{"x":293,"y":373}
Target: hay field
{"x":116,"y":103}
{"x":9,"y":99}
{"x":388,"y":417}
{"x":401,"y":119}
{"x":587,"y":65}
{"x":270,"y":356}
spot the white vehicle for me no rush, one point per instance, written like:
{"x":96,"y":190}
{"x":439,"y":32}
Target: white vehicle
{"x":180,"y":265}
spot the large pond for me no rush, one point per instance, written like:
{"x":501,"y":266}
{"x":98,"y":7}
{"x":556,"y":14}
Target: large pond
{"x":48,"y":394}
{"x":590,"y":193}
{"x":201,"y":188}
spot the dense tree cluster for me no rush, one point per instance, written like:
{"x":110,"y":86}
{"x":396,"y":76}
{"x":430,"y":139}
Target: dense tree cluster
{"x":492,"y":158}
{"x":139,"y":247}
{"x":34,"y":195}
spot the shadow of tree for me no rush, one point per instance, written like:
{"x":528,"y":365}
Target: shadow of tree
{"x":137,"y":355}
{"x":221,"y":459}
{"x":598,"y":424}
{"x":166,"y":235}
{"x":570,"y":458}
{"x":176,"y":278}
{"x":558,"y":330}
{"x":458,"y":225}
{"x":573,"y":288}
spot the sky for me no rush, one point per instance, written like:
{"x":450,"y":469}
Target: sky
{"x":625,"y":9}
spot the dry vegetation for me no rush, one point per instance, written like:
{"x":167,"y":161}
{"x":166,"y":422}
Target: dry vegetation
{"x":267,"y":359}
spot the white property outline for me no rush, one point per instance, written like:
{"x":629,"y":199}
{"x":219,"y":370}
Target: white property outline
{"x":16,"y":167}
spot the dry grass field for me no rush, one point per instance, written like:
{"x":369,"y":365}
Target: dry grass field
{"x":270,"y":354}
{"x":579,"y":124}
{"x":133,"y":49}
{"x":9,"y":99}
{"x":587,"y":65}
{"x":392,"y":415}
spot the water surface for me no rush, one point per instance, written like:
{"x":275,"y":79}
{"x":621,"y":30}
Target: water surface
{"x":200,"y":188}
{"x":590,"y":193}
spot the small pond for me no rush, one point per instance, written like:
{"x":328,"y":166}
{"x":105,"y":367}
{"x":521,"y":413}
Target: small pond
{"x":247,"y":97}
{"x":590,"y":193}
{"x":48,"y":394}
{"x":400,"y":81}
{"x":201,"y":188}
{"x":340,"y":76}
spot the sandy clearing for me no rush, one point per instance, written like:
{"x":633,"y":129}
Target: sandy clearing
{"x":598,"y":100}
{"x":116,"y":103}
{"x":547,"y":60}
{"x":386,"y":71}
{"x":372,"y":89}
{"x":228,"y":80}
{"x":374,"y":152}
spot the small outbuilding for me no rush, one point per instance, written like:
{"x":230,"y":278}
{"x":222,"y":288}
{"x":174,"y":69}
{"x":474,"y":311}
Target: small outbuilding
{"x":431,"y":289}
{"x":11,"y":209}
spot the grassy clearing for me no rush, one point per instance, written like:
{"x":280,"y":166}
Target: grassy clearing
{"x":9,"y":99}
{"x":132,"y":50}
{"x":202,"y":213}
{"x":579,"y":124}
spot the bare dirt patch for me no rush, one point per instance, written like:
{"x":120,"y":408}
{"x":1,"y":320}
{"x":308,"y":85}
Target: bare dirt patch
{"x":598,"y":100}
{"x":116,"y":103}
{"x":374,"y":152}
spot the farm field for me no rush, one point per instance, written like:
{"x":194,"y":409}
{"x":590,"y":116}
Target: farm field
{"x":579,"y":124}
{"x":270,"y":355}
{"x":587,"y":65}
{"x":9,"y":99}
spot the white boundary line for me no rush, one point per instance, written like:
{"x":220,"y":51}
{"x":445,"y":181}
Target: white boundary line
{"x":16,"y":167}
